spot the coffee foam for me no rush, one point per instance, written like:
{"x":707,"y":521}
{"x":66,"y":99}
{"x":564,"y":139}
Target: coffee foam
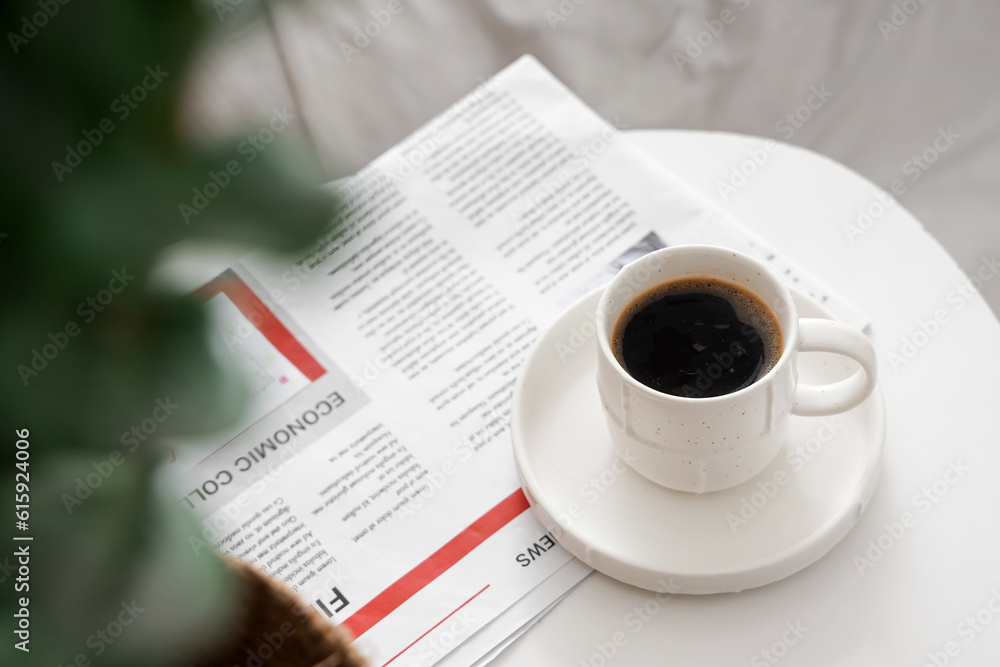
{"x":750,"y":309}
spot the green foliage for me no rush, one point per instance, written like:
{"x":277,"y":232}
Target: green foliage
{"x":78,"y":371}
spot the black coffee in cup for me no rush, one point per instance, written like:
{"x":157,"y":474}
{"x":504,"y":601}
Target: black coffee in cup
{"x":697,"y":337}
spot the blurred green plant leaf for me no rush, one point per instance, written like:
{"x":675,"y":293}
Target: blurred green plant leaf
{"x":96,"y":178}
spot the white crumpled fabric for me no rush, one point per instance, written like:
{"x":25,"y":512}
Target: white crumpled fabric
{"x":894,"y":74}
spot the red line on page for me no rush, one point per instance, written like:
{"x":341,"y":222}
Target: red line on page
{"x":436,"y":625}
{"x":436,"y":564}
{"x":264,"y":320}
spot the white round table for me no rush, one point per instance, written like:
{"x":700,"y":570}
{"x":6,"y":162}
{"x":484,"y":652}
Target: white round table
{"x":918,"y":579}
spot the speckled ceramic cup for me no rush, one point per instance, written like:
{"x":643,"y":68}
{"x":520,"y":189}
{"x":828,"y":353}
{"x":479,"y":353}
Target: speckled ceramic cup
{"x":708,"y":444}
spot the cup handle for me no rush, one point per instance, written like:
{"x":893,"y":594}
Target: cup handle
{"x":819,"y":335}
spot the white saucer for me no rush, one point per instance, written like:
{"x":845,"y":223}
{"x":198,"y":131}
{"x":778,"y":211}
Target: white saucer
{"x":629,"y":528}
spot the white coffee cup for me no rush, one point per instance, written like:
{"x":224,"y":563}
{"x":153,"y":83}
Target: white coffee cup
{"x":713,"y":443}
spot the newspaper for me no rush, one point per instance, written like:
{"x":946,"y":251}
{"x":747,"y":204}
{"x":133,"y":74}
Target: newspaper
{"x":373,"y":472}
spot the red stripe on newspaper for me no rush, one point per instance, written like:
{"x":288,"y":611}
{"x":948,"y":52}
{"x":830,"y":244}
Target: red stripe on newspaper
{"x":436,"y":564}
{"x":263,"y":319}
{"x":457,"y":609}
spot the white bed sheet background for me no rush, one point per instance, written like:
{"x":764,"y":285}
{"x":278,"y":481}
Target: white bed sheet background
{"x":892,"y":89}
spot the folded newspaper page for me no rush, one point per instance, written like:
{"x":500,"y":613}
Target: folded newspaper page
{"x":373,"y":473}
